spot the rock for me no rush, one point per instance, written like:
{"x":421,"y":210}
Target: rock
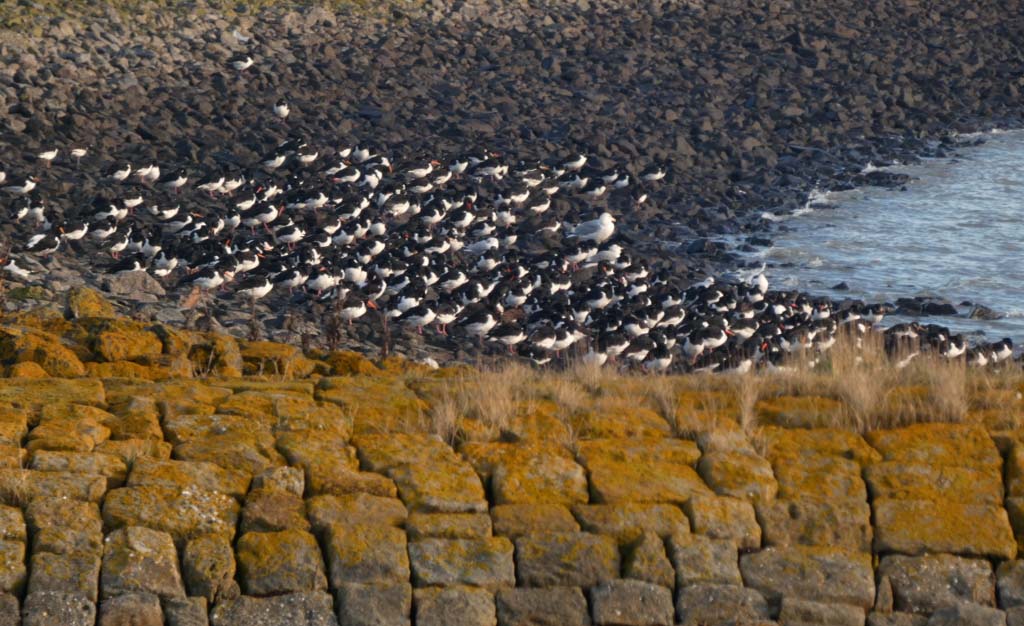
{"x":287,"y":479}
{"x":106,"y":465}
{"x":366,"y":554}
{"x":447,"y":488}
{"x":709,"y":605}
{"x":918,"y":526}
{"x":967,"y":614}
{"x":41,"y":348}
{"x":85,"y":302}
{"x":646,"y":560}
{"x":631,"y":603}
{"x":355,"y":509}
{"x":454,"y":606}
{"x":918,"y":481}
{"x":66,"y":572}
{"x":896,"y":619}
{"x":185,"y":612}
{"x":138,"y":286}
{"x":551,"y":606}
{"x":821,"y":574}
{"x":982,"y":312}
{"x":140,"y":560}
{"x":542,"y":479}
{"x":12,"y":567}
{"x":375,"y":604}
{"x":700,"y":560}
{"x":208,"y":567}
{"x":38,"y":393}
{"x":844,"y":524}
{"x":51,"y":608}
{"x":662,"y":473}
{"x":10,"y":612}
{"x":268,"y":511}
{"x":578,"y":559}
{"x":723,"y":517}
{"x":308,"y":608}
{"x":126,"y":345}
{"x":448,"y":526}
{"x":925,"y":584}
{"x":514,"y":520}
{"x":12,"y":524}
{"x":955,"y":445}
{"x":287,"y":561}
{"x":179,"y":474}
{"x":478,"y":562}
{"x":133,"y":609}
{"x":1010,"y":583}
{"x":739,"y":474}
{"x":183,"y":514}
{"x":628,"y":520}
{"x":265,"y":358}
{"x":806,"y":613}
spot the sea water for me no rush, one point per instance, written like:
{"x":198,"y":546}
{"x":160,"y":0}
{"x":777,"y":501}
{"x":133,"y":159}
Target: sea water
{"x":956,"y":231}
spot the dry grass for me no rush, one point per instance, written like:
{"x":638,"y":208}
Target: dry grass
{"x":858,"y":388}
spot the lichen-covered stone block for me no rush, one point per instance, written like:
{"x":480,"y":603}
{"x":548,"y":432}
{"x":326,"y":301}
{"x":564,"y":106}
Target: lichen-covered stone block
{"x":724,"y":517}
{"x":646,"y":560}
{"x":448,"y":526}
{"x":287,"y":561}
{"x":661,"y":473}
{"x":626,"y":521}
{"x":550,"y":606}
{"x":307,"y":608}
{"x":565,"y":559}
{"x":53,"y":608}
{"x":208,"y":568}
{"x":355,"y":509}
{"x":701,"y":560}
{"x":741,"y":474}
{"x":135,"y":609}
{"x":454,"y":606}
{"x":12,"y":567}
{"x":189,"y":475}
{"x":925,"y":481}
{"x":183,"y":513}
{"x":924,"y":584}
{"x":19,"y":486}
{"x":796,"y":612}
{"x":374,"y":604}
{"x":445,"y":488}
{"x":514,"y":520}
{"x":366,"y":554}
{"x":185,"y":612}
{"x":548,"y":479}
{"x":821,"y":574}
{"x":475,"y":562}
{"x":66,"y":573}
{"x":1010,"y":583}
{"x":811,"y":522}
{"x":267,"y":510}
{"x":630,"y":603}
{"x":967,"y":614}
{"x":714,"y":605}
{"x":923,"y":526}
{"x":137,"y":559}
{"x":288,"y":479}
{"x":106,"y":465}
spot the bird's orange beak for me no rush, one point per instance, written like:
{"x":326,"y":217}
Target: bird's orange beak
{"x":371,"y":304}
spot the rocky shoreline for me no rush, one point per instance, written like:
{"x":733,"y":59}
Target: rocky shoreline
{"x":751,"y":106}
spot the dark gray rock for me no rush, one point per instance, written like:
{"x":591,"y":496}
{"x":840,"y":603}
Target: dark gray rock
{"x":374,"y":604}
{"x":131,"y":609}
{"x":630,"y":603}
{"x":454,"y":606}
{"x":925,"y":584}
{"x":806,"y":613}
{"x":967,"y":614}
{"x":185,"y":612}
{"x":551,"y":606}
{"x":53,"y":608}
{"x":308,"y":608}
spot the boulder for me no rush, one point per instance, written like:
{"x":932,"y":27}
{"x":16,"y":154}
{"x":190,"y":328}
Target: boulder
{"x":183,"y":513}
{"x":355,"y":509}
{"x":448,"y":526}
{"x":141,"y":560}
{"x":626,"y":521}
{"x":724,"y":517}
{"x":925,"y":584}
{"x":646,"y":560}
{"x":268,"y":511}
{"x":186,"y":475}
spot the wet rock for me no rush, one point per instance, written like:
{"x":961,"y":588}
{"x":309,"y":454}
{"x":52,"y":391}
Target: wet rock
{"x":280,"y":562}
{"x":631,"y":603}
{"x":982,"y":312}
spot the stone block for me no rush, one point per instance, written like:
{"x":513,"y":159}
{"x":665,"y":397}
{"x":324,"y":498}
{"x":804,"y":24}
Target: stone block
{"x":131,"y":609}
{"x":140,"y":560}
{"x":630,"y":603}
{"x":646,"y":560}
{"x":189,"y":475}
{"x":540,"y":479}
{"x":454,"y":606}
{"x":185,"y":612}
{"x":474,"y":562}
{"x":924,"y":526}
{"x":719,"y":605}
{"x":374,"y":604}
{"x":967,"y":614}
{"x":106,"y":465}
{"x":270,"y":511}
{"x":355,"y":509}
{"x":924,"y":481}
{"x":366,"y":554}
{"x":565,"y":559}
{"x":65,"y":573}
{"x":306,"y":608}
{"x":821,"y":574}
{"x":183,"y":514}
{"x":288,"y":479}
{"x":741,"y":474}
{"x":208,"y":567}
{"x":924,"y":584}
{"x":446,"y":488}
{"x":448,"y":526}
{"x":811,"y":522}
{"x":1010,"y":583}
{"x":626,"y":521}
{"x":550,"y":606}
{"x":287,"y":561}
{"x":724,"y":517}
{"x":700,"y":560}
{"x":797,"y":612}
{"x":53,"y":608}
{"x":12,"y":567}
{"x":514,"y":520}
